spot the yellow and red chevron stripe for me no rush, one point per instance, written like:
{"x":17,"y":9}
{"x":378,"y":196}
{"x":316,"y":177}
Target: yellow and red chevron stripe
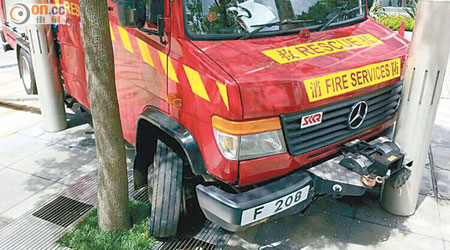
{"x":195,"y":80}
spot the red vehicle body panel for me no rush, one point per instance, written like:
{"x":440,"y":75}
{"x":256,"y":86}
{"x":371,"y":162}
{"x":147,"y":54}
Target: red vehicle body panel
{"x":9,"y":35}
{"x":231,"y":79}
{"x":270,"y":89}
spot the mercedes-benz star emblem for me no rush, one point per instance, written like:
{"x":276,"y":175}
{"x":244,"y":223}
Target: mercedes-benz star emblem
{"x":357,"y":114}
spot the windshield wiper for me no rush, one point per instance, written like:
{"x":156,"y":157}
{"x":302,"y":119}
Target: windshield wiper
{"x":267,"y":25}
{"x":340,"y":13}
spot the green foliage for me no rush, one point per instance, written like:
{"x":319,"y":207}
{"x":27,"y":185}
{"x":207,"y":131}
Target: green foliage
{"x":87,"y":234}
{"x":411,"y":9}
{"x":377,"y":10}
{"x":394,"y":22}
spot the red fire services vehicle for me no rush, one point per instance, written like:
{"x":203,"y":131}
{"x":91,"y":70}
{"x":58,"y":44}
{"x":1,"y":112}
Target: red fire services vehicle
{"x":253,"y":108}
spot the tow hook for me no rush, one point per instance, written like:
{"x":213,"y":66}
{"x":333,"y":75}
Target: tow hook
{"x":370,"y":181}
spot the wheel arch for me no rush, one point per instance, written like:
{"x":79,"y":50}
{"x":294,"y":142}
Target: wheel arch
{"x":22,"y":44}
{"x":153,"y":125}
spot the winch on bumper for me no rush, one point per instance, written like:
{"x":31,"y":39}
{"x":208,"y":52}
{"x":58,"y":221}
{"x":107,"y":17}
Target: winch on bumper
{"x":360,"y":167}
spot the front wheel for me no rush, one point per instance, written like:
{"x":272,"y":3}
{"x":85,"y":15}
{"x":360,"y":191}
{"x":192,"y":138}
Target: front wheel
{"x":27,"y":72}
{"x":165,"y":192}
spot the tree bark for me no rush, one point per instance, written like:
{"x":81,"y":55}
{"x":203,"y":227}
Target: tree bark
{"x":113,"y":211}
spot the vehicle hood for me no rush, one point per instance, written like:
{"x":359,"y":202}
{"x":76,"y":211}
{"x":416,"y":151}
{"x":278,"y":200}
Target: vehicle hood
{"x":268,"y":87}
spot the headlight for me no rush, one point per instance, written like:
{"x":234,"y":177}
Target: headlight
{"x":248,"y":140}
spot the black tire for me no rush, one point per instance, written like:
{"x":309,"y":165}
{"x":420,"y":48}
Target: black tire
{"x":26,"y":71}
{"x":165,"y":192}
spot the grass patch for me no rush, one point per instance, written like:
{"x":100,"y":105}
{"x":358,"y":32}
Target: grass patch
{"x":87,"y":234}
{"x":394,"y":22}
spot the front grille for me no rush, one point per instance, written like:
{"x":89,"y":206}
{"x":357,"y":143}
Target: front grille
{"x":382,"y":103}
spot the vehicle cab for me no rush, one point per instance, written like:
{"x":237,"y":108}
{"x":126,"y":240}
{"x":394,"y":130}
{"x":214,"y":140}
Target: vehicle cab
{"x":270,"y":86}
{"x":265,"y":87}
{"x":245,"y":94}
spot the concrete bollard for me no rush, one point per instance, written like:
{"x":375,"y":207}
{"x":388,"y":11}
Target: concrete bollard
{"x":43,"y":57}
{"x":425,"y":72}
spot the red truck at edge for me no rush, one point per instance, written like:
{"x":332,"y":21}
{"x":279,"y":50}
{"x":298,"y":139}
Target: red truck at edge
{"x":232,"y":104}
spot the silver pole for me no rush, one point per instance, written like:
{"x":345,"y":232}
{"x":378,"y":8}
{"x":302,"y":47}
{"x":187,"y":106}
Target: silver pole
{"x":48,"y":81}
{"x":425,"y":72}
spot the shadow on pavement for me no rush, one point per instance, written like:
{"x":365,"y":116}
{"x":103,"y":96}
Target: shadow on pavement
{"x":330,"y":224}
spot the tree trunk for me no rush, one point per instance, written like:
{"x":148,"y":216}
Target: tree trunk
{"x":113,"y":211}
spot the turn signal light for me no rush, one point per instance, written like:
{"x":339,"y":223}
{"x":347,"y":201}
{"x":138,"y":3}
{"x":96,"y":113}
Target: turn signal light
{"x":174,"y":100}
{"x":246,"y":127}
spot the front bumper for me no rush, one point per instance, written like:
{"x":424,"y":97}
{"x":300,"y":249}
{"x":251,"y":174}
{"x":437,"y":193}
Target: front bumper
{"x":226,"y":209}
{"x":296,"y":191}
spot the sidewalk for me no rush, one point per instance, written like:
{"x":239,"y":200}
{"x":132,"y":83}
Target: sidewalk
{"x":35,"y":166}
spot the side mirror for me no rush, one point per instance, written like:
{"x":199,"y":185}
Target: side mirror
{"x":130,"y":12}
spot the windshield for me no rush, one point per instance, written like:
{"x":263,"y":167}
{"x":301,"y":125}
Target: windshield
{"x":236,"y":18}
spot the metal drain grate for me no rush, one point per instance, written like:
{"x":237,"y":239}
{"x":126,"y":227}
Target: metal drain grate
{"x":187,"y":244}
{"x":209,"y":237}
{"x":62,"y":211}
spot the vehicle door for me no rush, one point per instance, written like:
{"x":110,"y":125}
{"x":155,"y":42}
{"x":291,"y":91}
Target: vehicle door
{"x":72,"y":53}
{"x":140,"y":64}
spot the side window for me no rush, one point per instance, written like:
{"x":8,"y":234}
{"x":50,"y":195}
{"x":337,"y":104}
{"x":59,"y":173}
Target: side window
{"x":154,"y":8}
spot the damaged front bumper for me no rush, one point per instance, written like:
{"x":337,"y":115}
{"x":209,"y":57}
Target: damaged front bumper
{"x":360,"y":167}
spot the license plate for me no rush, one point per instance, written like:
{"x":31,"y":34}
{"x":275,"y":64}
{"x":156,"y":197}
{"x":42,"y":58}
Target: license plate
{"x":274,"y":207}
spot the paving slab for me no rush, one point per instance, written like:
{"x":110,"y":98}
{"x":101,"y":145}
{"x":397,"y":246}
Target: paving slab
{"x":75,"y":175}
{"x":55,"y":162}
{"x":444,"y":212}
{"x":440,"y":138}
{"x":17,"y":147}
{"x":10,"y":82}
{"x":8,"y":58}
{"x":368,"y":209}
{"x":72,"y":137}
{"x":426,"y":186}
{"x":364,"y":235}
{"x":441,"y":156}
{"x":320,"y":229}
{"x":75,"y":119}
{"x":443,"y":182}
{"x":13,"y":121}
{"x":425,"y":220}
{"x":33,"y":201}
{"x":441,"y":128}
{"x":33,"y":131}
{"x":17,"y":187}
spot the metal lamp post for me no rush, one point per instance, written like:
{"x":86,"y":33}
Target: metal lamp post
{"x":43,"y":56}
{"x":425,"y":72}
